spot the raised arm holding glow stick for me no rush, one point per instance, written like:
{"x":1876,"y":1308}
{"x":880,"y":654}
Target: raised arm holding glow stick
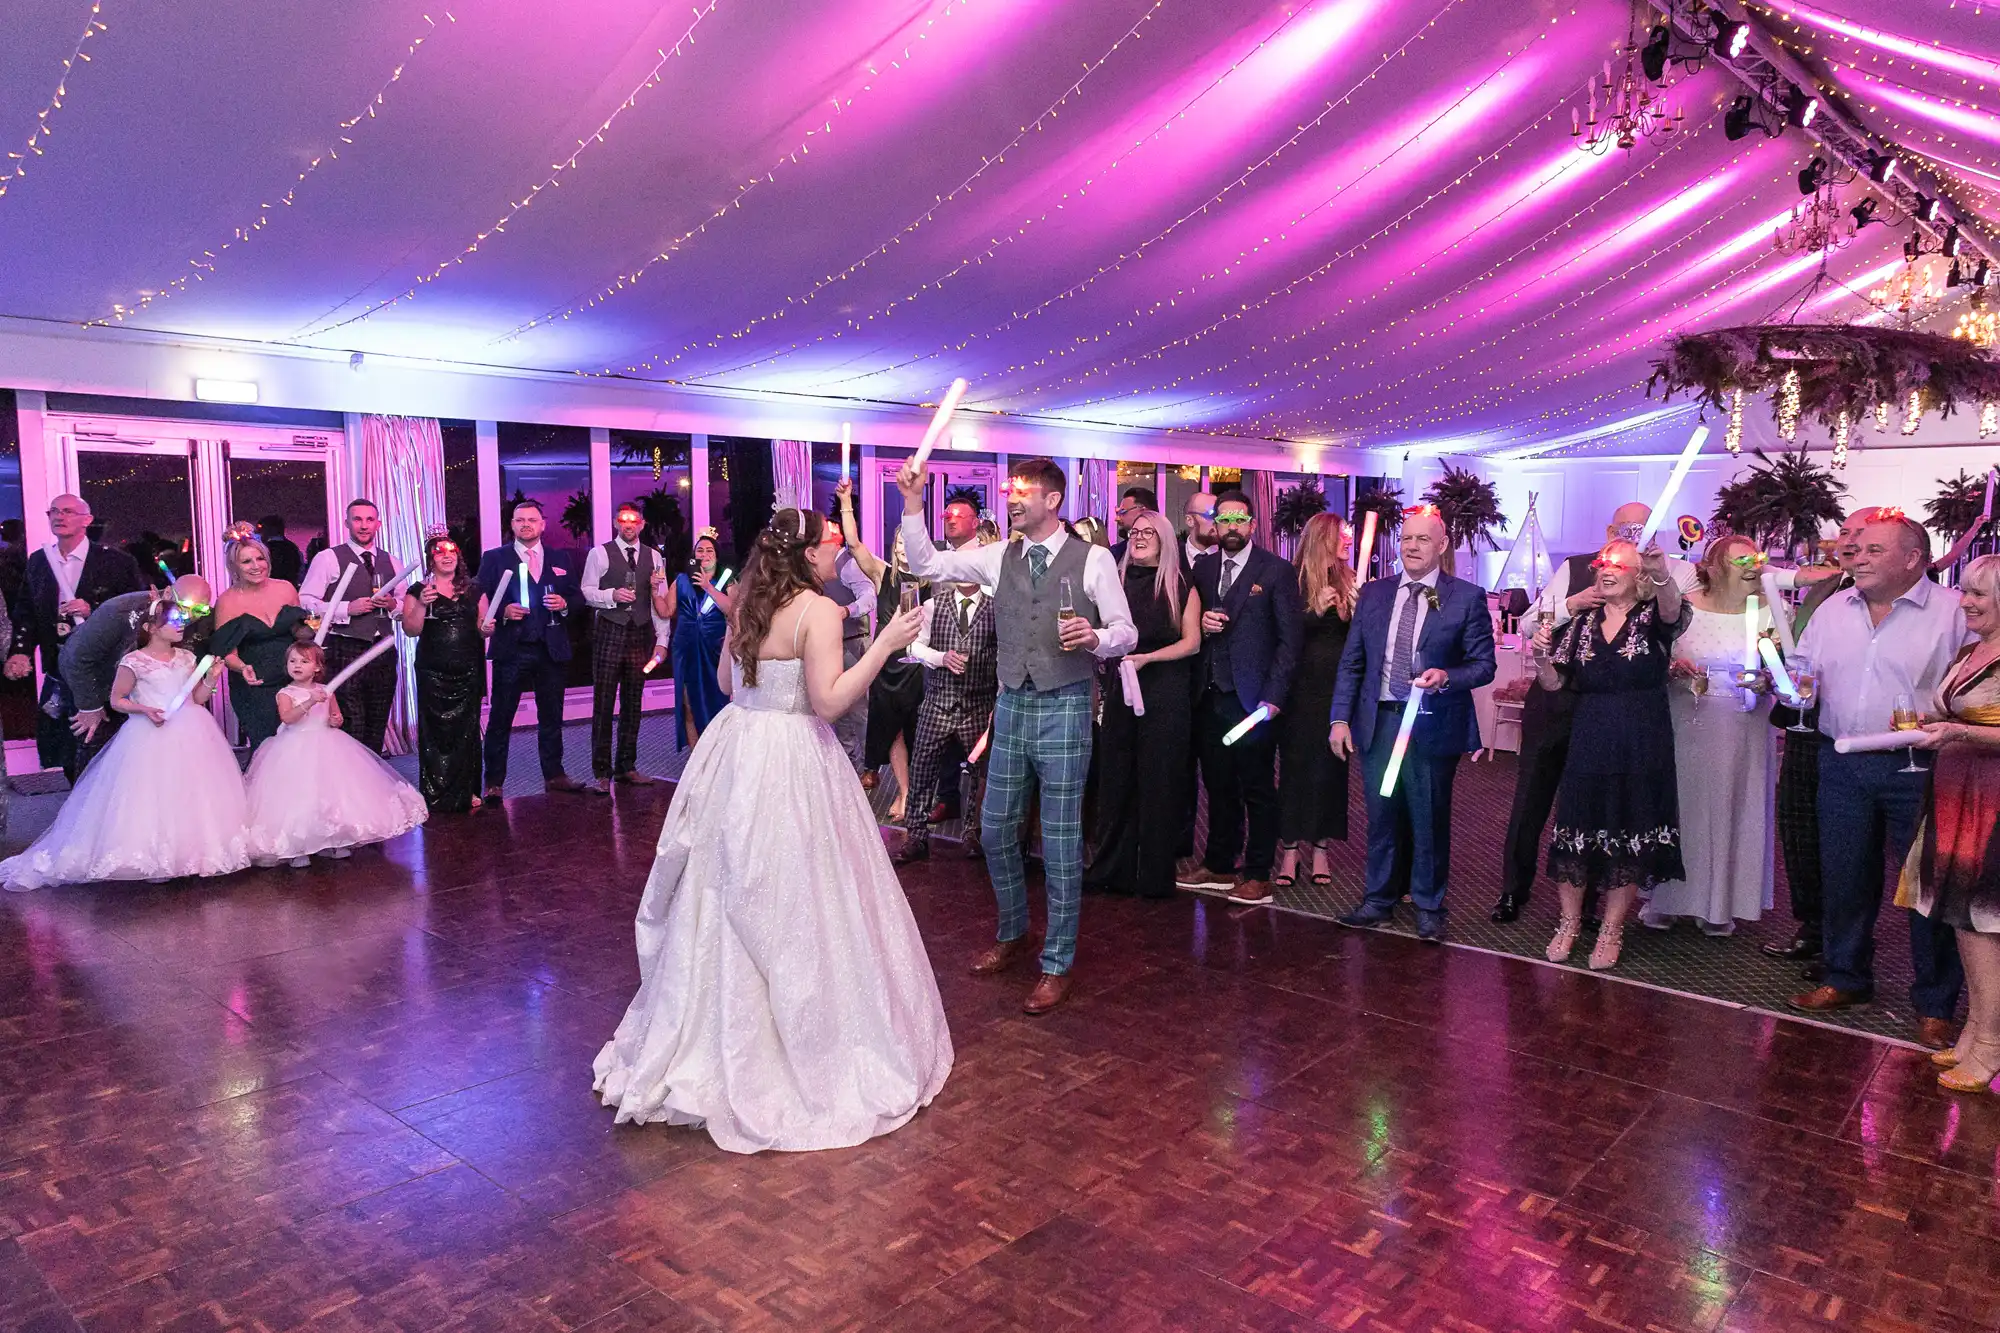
{"x":1673,"y":487}
{"x":942,"y":418}
{"x":846,"y":451}
{"x":339,"y":592}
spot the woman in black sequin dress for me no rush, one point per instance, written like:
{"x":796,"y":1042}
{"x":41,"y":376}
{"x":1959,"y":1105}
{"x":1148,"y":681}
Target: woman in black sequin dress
{"x":1617,"y":824}
{"x":1312,"y":779}
{"x":447,"y":614}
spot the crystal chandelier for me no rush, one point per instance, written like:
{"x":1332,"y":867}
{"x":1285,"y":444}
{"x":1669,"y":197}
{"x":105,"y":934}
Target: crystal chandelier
{"x":1817,"y":224}
{"x":1633,"y":108}
{"x":1910,"y":297}
{"x":1976,"y":323}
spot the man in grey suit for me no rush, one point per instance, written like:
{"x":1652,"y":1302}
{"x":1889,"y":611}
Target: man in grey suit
{"x":91,"y":653}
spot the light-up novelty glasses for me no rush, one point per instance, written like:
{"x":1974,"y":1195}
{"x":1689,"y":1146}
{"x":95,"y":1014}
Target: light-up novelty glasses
{"x":1233,"y":520}
{"x":1756,"y":560}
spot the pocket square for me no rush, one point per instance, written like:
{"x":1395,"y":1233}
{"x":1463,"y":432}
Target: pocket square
{"x":1256,"y":588}
{"x":561,"y":572}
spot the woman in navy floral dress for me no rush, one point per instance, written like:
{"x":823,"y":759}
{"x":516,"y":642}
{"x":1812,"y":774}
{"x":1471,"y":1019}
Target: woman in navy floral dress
{"x":1617,"y":826}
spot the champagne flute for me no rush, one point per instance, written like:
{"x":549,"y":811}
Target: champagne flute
{"x":1805,"y":677}
{"x":1903,"y":717}
{"x":1065,"y":599}
{"x":906,"y":602}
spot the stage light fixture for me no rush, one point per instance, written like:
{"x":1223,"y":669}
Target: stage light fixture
{"x":1913,"y":248}
{"x":1732,"y":38}
{"x":1952,"y":243}
{"x":1982,"y":274}
{"x":1736,"y":120}
{"x":1928,"y":207}
{"x":1864,"y":212}
{"x":1801,"y":108}
{"x":1881,"y":167}
{"x":1653,"y":55}
{"x":1954,"y":276}
{"x":1813,"y":176}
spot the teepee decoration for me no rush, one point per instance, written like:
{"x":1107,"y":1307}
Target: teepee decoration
{"x":1528,"y":565}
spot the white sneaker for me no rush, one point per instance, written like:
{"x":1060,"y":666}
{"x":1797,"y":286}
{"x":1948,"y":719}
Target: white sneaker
{"x":336,"y":853}
{"x":300,"y":862}
{"x":1652,"y":920}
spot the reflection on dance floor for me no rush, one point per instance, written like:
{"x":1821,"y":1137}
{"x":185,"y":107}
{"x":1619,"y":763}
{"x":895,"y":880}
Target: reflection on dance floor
{"x":357,"y":1096}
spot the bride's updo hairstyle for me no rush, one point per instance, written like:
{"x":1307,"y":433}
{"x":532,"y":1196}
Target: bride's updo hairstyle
{"x":776,"y":572}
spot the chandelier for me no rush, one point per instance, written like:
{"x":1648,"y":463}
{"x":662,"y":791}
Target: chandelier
{"x":1633,"y":108}
{"x":1910,"y":297}
{"x":1976,"y":323}
{"x":1817,"y":224}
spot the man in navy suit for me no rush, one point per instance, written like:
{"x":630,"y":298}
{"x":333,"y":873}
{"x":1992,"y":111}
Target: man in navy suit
{"x":530,"y":646}
{"x":1427,"y":629}
{"x":1251,"y":630}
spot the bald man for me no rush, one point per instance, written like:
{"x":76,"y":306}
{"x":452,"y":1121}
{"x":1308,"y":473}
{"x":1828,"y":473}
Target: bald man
{"x":1545,"y":718}
{"x":64,"y":582}
{"x":1421,"y":629}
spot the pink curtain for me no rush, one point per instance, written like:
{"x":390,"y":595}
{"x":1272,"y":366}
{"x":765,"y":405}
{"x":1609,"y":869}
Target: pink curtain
{"x":401,"y":468}
{"x":792,"y":473}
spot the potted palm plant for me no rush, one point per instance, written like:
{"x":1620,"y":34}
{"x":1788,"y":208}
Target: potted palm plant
{"x":1296,"y":507}
{"x":1780,"y":502}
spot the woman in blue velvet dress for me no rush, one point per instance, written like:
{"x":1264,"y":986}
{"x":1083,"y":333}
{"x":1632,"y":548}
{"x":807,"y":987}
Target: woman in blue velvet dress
{"x":701,"y":617}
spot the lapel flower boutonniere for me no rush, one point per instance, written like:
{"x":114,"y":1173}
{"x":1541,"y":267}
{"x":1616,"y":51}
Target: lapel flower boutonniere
{"x":1430,"y":596}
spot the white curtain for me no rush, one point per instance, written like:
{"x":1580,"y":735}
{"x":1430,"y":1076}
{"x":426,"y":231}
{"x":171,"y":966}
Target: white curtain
{"x":792,"y":473}
{"x":401,"y":468}
{"x":1094,"y":481}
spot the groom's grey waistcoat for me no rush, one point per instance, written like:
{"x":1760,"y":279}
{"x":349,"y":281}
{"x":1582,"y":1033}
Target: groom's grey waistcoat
{"x":1024,"y":619}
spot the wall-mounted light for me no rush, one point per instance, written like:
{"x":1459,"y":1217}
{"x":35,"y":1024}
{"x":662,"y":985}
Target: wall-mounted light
{"x":225,"y":391}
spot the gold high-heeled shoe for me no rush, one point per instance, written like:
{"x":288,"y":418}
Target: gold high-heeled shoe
{"x":1945,"y":1059}
{"x":1564,"y":942}
{"x":1957,"y":1079}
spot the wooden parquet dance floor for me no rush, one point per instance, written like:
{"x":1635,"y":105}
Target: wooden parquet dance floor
{"x":357,"y":1097}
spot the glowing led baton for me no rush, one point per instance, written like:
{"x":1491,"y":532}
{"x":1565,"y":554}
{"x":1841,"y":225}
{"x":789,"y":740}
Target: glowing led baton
{"x":1674,"y":480}
{"x":1402,"y":746}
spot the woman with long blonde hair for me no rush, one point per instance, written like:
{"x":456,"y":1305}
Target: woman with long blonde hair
{"x":1312,"y":780}
{"x":1143,"y":759}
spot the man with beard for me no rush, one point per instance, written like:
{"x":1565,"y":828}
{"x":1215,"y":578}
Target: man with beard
{"x":1251,"y":632}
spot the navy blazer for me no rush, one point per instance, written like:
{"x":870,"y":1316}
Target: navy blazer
{"x":562,"y":574}
{"x":1457,"y":636}
{"x":1266,"y":625}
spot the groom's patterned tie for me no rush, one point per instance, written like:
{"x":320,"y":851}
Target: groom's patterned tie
{"x":1038,"y":563}
{"x":1406,"y":642}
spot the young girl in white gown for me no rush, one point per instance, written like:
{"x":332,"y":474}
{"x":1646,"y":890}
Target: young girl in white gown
{"x":785,"y":999}
{"x":164,"y":798}
{"x":313,"y":787}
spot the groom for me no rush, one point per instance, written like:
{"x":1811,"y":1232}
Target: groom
{"x":1041,"y":721}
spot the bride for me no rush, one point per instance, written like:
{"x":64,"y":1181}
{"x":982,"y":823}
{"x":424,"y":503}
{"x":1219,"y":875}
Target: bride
{"x":785,"y":999}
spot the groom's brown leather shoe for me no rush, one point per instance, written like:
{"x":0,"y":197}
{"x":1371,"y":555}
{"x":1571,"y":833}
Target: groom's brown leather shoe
{"x":1049,"y":992}
{"x":1001,"y":956}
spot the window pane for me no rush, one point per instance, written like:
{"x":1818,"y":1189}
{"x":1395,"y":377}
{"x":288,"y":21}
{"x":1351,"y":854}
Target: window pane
{"x":550,"y":464}
{"x":286,"y":499}
{"x":141,"y":504}
{"x":1182,"y":482}
{"x":461,"y":482}
{"x":17,"y":697}
{"x":651,"y":470}
{"x":741,"y":490}
{"x":1132,"y":474}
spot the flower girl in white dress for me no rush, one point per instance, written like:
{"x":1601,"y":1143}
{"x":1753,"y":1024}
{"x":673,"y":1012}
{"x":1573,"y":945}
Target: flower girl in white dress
{"x":313,"y":787}
{"x":164,"y":798}
{"x":785,"y":998}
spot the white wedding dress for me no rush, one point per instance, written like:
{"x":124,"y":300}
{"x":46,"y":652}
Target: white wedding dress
{"x":314,"y":788}
{"x":160,"y":801}
{"x":785,"y":999}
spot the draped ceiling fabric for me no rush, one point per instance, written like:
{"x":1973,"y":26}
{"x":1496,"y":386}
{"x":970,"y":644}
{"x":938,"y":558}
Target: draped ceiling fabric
{"x":401,"y":468}
{"x":792,"y":473}
{"x":1353,"y":222}
{"x":1094,"y":480}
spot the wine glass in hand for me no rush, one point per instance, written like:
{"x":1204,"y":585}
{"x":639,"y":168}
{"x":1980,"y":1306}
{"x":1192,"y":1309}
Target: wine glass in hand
{"x":1903,"y":717}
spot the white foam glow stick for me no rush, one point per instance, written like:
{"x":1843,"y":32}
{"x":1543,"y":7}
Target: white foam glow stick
{"x":1987,"y":513}
{"x":523,"y":586}
{"x":1367,"y":547}
{"x":1781,"y":615}
{"x":1402,"y":746}
{"x":723,"y":582}
{"x":1749,"y":648}
{"x":1878,"y":741}
{"x":846,"y":451}
{"x":935,"y":431}
{"x":1776,"y":665}
{"x":979,"y":746}
{"x":187,"y":688}
{"x":1673,"y":488}
{"x":1260,"y":713}
{"x":499,"y":595}
{"x":1128,"y":679}
{"x":339,"y":594}
{"x":347,"y":673}
{"x":653,"y":662}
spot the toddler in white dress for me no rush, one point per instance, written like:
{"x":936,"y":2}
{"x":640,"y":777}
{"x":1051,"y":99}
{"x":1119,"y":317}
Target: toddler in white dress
{"x":314,"y":788}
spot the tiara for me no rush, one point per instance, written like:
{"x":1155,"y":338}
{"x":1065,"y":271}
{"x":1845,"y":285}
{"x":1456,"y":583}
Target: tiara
{"x":435,"y":531}
{"x":709,"y":533}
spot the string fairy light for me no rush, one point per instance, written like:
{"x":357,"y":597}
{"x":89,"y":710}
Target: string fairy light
{"x":202,"y":266}
{"x":607,"y":291}
{"x":1913,"y":412}
{"x":1989,"y":418}
{"x":1882,"y":414}
{"x":1841,"y":429}
{"x":987,"y":162}
{"x":514,"y":207}
{"x":1732,"y":438}
{"x":1788,"y":406}
{"x":39,"y":135}
{"x":1205,"y":208}
{"x":1331,"y":352}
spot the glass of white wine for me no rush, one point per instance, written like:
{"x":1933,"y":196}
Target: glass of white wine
{"x":1805,"y":681}
{"x":1903,"y":717}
